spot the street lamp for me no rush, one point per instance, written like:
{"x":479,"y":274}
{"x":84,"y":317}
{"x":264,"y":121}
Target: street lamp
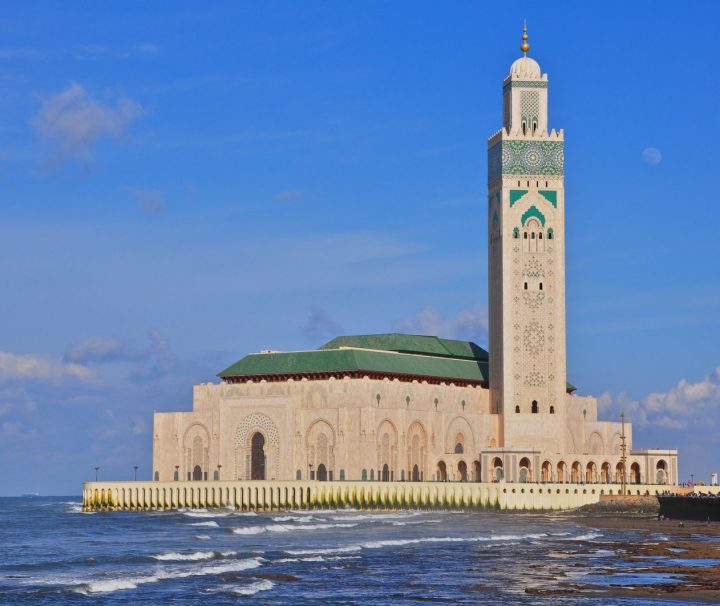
{"x":135,"y":467}
{"x":692,"y":479}
{"x":97,"y":468}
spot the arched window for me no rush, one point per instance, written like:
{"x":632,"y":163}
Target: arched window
{"x":402,"y":475}
{"x":517,"y":409}
{"x":458,"y":448}
{"x":525,"y":235}
{"x":516,"y":233}
{"x":342,"y":475}
{"x":157,"y":476}
{"x":532,"y":236}
{"x":540,"y":285}
{"x":176,"y":475}
{"x":552,"y":410}
{"x":298,"y":475}
{"x":534,"y":407}
{"x":525,"y":285}
{"x":550,"y":234}
{"x":524,"y":127}
{"x":540,"y":236}
{"x":372,"y":475}
{"x":364,"y":475}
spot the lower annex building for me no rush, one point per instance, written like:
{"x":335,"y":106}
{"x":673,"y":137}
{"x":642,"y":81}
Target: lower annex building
{"x":397,"y":407}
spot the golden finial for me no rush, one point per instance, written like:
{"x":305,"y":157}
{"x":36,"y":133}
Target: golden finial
{"x":525,"y":47}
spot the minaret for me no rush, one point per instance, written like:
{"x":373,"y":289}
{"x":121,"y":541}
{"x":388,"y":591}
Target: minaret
{"x":526,"y":257}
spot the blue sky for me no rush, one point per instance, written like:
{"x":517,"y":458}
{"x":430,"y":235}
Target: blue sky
{"x":182,"y":185}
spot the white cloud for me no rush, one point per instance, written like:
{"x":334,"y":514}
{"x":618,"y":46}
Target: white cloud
{"x":684,"y":405}
{"x":150,"y":201}
{"x":321,"y":325}
{"x":470,"y":324}
{"x":651,"y":155}
{"x":96,"y":349}
{"x":72,"y":122}
{"x":32,"y":367}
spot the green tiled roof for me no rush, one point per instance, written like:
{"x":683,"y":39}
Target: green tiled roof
{"x":387,"y":354}
{"x":415,"y":344}
{"x":353,"y":360}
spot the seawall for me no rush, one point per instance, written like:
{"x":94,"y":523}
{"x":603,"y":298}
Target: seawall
{"x":276,"y":495}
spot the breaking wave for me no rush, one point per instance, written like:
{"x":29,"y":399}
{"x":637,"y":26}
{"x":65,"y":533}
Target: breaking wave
{"x":197,"y":555}
{"x":208,"y":524}
{"x":122,"y":583}
{"x":253,"y":588}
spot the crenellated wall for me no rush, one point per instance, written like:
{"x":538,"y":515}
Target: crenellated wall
{"x":272,"y":496}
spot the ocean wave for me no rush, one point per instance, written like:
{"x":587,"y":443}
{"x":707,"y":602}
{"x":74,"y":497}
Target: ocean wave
{"x":206,"y":514}
{"x":208,"y":524}
{"x":202,"y":537}
{"x":122,"y":583}
{"x":174,"y":556}
{"x":500,"y":539}
{"x":250,"y":530}
{"x":253,"y":588}
{"x":246,"y":513}
{"x":325,"y":551}
{"x":287,"y":528}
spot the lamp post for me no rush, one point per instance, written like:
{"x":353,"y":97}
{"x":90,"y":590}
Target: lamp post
{"x":692,"y":480}
{"x":135,"y":467}
{"x":177,"y":472}
{"x":97,"y":468}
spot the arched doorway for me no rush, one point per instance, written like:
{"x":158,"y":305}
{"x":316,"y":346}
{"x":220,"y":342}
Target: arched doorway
{"x":197,"y":473}
{"x":661,"y":472}
{"x":257,"y":457}
{"x":546,"y":471}
{"x":562,"y":472}
{"x":605,"y":473}
{"x":415,"y":474}
{"x":591,"y":473}
{"x":385,"y":473}
{"x":575,"y":472}
{"x":462,"y":471}
{"x":619,"y":473}
{"x":498,"y":474}
{"x":524,"y":472}
{"x":322,"y":473}
{"x":478,"y":476}
{"x":442,"y":471}
{"x":635,"y":473}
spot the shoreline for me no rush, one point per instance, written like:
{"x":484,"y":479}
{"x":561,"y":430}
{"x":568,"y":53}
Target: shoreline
{"x":677,"y":541}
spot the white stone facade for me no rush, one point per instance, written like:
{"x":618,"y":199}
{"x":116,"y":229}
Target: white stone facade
{"x":526,"y":427}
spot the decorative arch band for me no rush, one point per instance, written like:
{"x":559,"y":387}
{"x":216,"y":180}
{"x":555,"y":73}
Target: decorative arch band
{"x":533,"y":212}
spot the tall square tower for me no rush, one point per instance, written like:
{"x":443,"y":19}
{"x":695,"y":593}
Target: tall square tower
{"x":526,"y":257}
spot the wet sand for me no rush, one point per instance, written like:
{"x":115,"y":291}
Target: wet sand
{"x":659,"y":540}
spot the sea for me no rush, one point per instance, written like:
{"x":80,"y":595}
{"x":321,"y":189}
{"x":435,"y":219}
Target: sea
{"x":51,"y":552}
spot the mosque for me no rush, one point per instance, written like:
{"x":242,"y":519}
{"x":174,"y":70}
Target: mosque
{"x":395,"y":407}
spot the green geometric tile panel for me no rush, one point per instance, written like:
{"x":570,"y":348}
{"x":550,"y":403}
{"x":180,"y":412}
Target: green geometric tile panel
{"x":549,"y":195}
{"x":533,"y":212}
{"x":516,"y":194}
{"x":526,"y":158}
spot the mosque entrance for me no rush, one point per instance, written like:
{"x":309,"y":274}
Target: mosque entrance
{"x":197,"y":473}
{"x":442,"y":471}
{"x":322,"y":474}
{"x":257,"y":457}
